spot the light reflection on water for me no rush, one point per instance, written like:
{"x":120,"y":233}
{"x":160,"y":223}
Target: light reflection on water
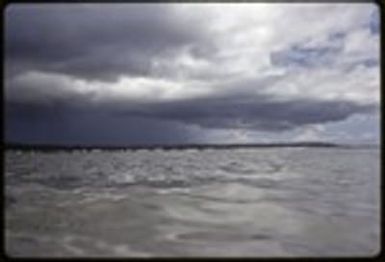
{"x":244,"y":202}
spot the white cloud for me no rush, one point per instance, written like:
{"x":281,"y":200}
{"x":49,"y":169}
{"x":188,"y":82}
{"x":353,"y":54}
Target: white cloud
{"x":247,"y":34}
{"x":40,"y":87}
{"x":46,"y":88}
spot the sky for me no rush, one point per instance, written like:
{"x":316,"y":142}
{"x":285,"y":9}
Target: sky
{"x":171,"y":73}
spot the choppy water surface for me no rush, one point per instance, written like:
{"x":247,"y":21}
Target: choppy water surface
{"x":240,"y":202}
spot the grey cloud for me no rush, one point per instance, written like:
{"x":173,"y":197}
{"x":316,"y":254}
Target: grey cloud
{"x":98,"y":42}
{"x":327,"y":55}
{"x":309,"y":57}
{"x":101,"y":43}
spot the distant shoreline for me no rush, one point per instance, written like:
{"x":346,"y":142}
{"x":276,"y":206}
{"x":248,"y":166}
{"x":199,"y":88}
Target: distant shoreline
{"x":47,"y":147}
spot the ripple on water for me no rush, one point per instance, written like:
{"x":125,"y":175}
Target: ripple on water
{"x":222,"y":236}
{"x":209,"y":203}
{"x":228,"y":192}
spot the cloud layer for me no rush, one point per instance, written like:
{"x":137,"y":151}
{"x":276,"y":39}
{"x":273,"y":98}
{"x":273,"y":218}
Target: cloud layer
{"x":176,"y":72}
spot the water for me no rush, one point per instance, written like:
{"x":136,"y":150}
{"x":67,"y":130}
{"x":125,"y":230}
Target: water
{"x":277,"y":202}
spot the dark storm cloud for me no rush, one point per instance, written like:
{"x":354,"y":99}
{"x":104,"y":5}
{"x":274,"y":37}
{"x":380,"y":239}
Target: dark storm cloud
{"x":256,"y":112}
{"x":169,"y":122}
{"x":61,"y":124}
{"x":227,"y":108}
{"x":94,"y":42}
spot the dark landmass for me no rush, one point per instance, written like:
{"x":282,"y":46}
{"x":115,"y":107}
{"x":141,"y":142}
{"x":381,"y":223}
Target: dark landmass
{"x":47,"y":147}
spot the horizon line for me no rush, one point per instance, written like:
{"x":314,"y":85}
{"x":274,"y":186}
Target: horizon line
{"x":49,"y":146}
